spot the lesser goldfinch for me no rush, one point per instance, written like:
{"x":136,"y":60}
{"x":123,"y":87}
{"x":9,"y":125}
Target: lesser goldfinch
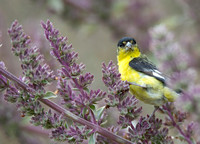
{"x":147,"y":83}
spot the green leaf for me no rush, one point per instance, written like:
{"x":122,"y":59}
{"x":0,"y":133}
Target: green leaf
{"x":99,"y":112}
{"x":104,"y":123}
{"x":88,"y":131}
{"x":93,"y":108}
{"x":84,"y":111}
{"x":86,"y":89}
{"x":71,"y":139}
{"x":49,"y":95}
{"x":66,"y":125}
{"x":75,"y":89}
{"x":92,"y":139}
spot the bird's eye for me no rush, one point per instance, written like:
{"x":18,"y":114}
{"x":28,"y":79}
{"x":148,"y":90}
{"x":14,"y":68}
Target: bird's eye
{"x":124,"y":42}
{"x":121,"y":45}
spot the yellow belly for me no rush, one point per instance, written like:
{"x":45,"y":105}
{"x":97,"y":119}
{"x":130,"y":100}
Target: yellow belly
{"x":153,"y":94}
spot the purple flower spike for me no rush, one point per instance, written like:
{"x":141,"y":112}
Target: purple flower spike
{"x":11,"y":95}
{"x":85,"y":114}
{"x":60,"y":49}
{"x":48,"y":120}
{"x":175,"y":118}
{"x":59,"y":134}
{"x":111,"y":79}
{"x":148,"y":130}
{"x":38,"y":75}
{"x":118,"y":95}
{"x":73,"y":85}
{"x":85,"y":80}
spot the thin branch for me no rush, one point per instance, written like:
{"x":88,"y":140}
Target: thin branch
{"x":178,"y":127}
{"x":67,"y":113}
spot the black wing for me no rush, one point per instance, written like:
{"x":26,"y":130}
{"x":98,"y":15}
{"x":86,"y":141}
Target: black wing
{"x":142,"y":64}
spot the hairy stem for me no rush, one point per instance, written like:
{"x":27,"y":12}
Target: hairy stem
{"x":178,"y":127}
{"x":67,"y":113}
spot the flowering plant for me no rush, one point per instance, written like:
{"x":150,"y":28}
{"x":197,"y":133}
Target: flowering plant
{"x":80,"y":118}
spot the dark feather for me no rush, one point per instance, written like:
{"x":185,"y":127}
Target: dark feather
{"x":142,"y":64}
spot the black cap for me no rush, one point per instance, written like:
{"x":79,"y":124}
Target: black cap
{"x":125,"y":39}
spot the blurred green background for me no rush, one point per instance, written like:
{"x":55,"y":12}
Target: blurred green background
{"x":94,"y":28}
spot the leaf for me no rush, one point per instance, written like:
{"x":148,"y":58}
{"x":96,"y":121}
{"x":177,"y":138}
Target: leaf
{"x":104,"y":123}
{"x":99,"y":112}
{"x":66,"y":125}
{"x":84,"y":111}
{"x":49,"y":95}
{"x":92,"y":139}
{"x":93,"y":108}
{"x":75,"y":89}
{"x":86,"y":89}
{"x":88,"y":131}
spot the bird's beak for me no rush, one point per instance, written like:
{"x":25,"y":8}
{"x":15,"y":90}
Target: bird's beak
{"x":129,"y":46}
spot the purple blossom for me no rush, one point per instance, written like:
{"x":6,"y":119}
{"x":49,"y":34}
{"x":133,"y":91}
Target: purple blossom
{"x":176,"y":61}
{"x":76,"y":134}
{"x":36,"y":74}
{"x":148,"y":130}
{"x":73,"y":85}
{"x":47,"y":119}
{"x":167,"y":50}
{"x":11,"y":95}
{"x":10,"y":123}
{"x":39,"y":75}
{"x":76,"y":69}
{"x":80,"y":100}
{"x":59,"y":134}
{"x":85,"y":80}
{"x":118,"y":95}
{"x":111,"y":79}
{"x":60,"y":49}
{"x":73,"y":134}
{"x":174,"y":118}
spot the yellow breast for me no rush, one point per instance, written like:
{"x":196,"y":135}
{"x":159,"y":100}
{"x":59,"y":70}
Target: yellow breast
{"x":127,"y":73}
{"x":153,"y":96}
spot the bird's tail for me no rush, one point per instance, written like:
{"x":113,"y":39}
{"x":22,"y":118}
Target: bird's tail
{"x":170,"y":94}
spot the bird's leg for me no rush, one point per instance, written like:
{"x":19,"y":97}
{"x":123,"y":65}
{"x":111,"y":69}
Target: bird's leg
{"x":155,"y":109}
{"x":152,"y":114}
{"x":131,"y":83}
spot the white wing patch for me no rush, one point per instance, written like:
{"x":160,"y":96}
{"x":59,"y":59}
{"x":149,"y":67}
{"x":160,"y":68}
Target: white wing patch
{"x":156,"y":73}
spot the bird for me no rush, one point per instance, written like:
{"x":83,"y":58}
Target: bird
{"x":146,"y":82}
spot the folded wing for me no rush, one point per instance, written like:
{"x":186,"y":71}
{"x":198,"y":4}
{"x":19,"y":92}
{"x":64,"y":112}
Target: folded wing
{"x":142,"y":64}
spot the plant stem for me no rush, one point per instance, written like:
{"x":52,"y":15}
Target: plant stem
{"x":178,"y":127}
{"x":67,"y":113}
